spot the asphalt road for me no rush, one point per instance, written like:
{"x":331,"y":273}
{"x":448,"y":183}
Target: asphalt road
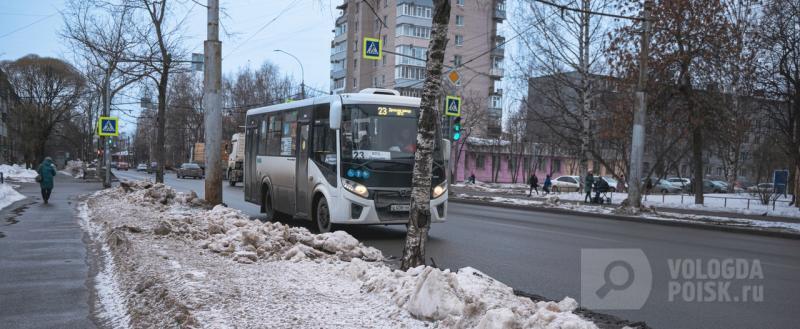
{"x":540,"y":253}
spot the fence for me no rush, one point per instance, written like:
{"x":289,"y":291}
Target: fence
{"x":736,"y":202}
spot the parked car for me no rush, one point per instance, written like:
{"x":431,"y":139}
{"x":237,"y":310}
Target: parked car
{"x":684,"y":184}
{"x":762,"y":188}
{"x":710,"y":186}
{"x":123,"y":166}
{"x":190,"y":170}
{"x":141,"y":167}
{"x":153,"y":167}
{"x":612,"y":183}
{"x":566,"y":184}
{"x":662,"y":186}
{"x":113,"y":165}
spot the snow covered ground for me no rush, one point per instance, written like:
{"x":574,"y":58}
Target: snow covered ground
{"x":18,"y":173}
{"x":720,"y":202}
{"x":9,"y":195}
{"x":169,"y":262}
{"x":73,"y":168}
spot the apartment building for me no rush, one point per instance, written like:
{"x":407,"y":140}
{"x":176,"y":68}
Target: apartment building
{"x":404,"y":26}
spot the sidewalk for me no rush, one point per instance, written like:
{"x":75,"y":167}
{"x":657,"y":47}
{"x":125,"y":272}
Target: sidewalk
{"x":43,"y":261}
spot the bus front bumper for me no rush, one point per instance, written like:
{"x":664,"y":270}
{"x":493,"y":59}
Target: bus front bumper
{"x":358,"y":210}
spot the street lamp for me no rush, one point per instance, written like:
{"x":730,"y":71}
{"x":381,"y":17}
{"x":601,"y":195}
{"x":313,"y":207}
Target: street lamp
{"x":302,"y":74}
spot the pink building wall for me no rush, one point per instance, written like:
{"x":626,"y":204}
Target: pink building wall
{"x":467,"y":165}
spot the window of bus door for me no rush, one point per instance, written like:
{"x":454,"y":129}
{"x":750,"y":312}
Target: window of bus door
{"x":323,"y":144}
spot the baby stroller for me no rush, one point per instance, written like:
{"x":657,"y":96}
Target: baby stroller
{"x":602,"y":192}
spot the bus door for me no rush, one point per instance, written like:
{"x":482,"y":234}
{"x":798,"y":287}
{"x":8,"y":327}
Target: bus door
{"x":251,"y":182}
{"x":302,"y":178}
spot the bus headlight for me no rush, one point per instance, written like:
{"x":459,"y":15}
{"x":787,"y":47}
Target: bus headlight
{"x":355,"y":187}
{"x":439,"y":190}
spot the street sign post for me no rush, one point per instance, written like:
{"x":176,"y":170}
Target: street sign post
{"x":372,"y":49}
{"x":108,"y":126}
{"x":452,"y":106}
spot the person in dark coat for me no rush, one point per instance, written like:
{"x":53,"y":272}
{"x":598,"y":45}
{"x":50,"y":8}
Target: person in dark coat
{"x":587,"y":186}
{"x":547,"y":184}
{"x":534,"y":183}
{"x":47,"y":171}
{"x":471,"y":178}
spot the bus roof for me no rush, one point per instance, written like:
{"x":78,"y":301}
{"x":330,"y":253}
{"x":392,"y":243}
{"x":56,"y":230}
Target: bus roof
{"x":349,"y":98}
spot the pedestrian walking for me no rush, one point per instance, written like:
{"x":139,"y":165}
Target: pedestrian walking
{"x":547,"y":184}
{"x":471,"y":178}
{"x":587,"y":186}
{"x":534,"y":182}
{"x":47,"y":173}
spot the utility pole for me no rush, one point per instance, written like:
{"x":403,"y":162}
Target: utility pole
{"x":106,"y":140}
{"x":212,"y":103}
{"x":637,"y":142}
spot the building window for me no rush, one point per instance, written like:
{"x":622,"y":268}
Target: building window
{"x":383,"y":81}
{"x":459,"y":20}
{"x":480,"y":161}
{"x":383,"y":59}
{"x":456,"y":60}
{"x":338,"y":83}
{"x":414,"y":31}
{"x":355,"y":83}
{"x":459,"y":40}
{"x":355,"y":63}
{"x":414,"y":10}
{"x":555,"y":167}
{"x":495,"y":101}
{"x":412,"y":55}
{"x":358,"y":6}
{"x":409,"y":72}
{"x":374,"y":81}
{"x":460,"y":3}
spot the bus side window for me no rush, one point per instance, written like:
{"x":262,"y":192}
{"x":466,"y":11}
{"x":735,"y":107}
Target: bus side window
{"x":323,"y":144}
{"x":262,"y":135}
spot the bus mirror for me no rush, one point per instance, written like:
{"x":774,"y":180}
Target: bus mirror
{"x":446,"y":148}
{"x":336,"y":113}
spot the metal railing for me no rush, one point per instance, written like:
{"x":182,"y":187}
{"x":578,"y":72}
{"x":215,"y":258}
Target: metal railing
{"x":690,"y":200}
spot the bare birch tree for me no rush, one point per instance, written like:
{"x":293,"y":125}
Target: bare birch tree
{"x":420,"y":213}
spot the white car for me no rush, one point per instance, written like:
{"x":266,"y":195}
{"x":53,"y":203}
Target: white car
{"x":612,"y":183}
{"x":566,"y":184}
{"x":141,"y":167}
{"x":684,"y":184}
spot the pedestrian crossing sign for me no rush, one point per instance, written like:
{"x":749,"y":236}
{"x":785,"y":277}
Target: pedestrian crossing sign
{"x":372,"y":49}
{"x":452,"y":106}
{"x":108,"y":126}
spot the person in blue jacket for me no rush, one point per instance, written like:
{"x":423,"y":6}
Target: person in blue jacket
{"x":47,"y":172}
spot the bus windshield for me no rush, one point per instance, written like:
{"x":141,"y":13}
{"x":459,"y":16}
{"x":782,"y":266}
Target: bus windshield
{"x":378,"y":143}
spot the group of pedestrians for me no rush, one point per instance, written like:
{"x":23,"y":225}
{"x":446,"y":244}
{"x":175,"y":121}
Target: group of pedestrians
{"x":533,"y":181}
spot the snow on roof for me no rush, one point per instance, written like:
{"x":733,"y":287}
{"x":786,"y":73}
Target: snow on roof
{"x":487,"y":141}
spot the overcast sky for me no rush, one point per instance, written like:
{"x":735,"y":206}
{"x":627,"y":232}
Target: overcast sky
{"x":302,"y":27}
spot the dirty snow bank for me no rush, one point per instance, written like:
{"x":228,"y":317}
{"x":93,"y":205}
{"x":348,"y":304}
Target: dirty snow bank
{"x":18,"y":173}
{"x":74,"y":168}
{"x":177,"y":263}
{"x":9,"y":195}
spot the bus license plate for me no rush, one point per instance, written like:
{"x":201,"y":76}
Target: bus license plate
{"x":400,"y":207}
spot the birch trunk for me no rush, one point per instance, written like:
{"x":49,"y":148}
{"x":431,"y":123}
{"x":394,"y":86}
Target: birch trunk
{"x":585,"y":92}
{"x":419,"y":216}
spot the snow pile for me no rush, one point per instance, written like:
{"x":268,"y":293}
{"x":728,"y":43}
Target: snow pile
{"x":18,"y":173}
{"x":464,"y":299}
{"x":8,"y":195}
{"x":178,"y":263}
{"x":74,"y":168}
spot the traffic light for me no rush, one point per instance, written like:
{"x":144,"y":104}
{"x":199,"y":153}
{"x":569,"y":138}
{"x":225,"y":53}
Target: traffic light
{"x":457,"y":129}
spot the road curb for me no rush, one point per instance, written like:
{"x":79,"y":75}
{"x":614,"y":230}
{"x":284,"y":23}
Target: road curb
{"x":682,"y":223}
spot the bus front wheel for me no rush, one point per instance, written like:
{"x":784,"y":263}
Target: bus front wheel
{"x":269,"y":210}
{"x":322,"y":217}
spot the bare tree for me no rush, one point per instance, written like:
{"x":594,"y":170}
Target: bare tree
{"x":420,"y":212}
{"x":49,"y":90}
{"x":560,"y":42}
{"x":102,"y":36}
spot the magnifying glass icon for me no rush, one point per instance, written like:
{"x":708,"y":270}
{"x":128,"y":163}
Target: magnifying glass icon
{"x":610,"y":284}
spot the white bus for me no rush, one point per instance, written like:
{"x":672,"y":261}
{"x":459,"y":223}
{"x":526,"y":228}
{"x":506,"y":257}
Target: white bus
{"x":339,"y":159}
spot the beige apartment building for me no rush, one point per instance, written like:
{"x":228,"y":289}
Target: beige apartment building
{"x":404,"y":26}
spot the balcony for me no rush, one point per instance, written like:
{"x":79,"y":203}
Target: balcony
{"x":496,"y":73}
{"x":499,"y":46}
{"x":499,"y":14}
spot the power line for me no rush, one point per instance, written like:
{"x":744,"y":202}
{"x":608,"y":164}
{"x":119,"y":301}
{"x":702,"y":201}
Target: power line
{"x":584,"y":11}
{"x":285,"y":9}
{"x":27,"y":26}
